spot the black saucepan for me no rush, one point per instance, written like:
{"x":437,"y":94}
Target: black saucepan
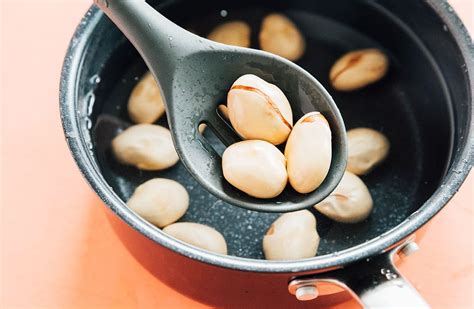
{"x":424,"y":107}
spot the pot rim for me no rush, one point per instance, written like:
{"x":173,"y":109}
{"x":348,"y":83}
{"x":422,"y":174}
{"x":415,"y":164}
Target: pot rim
{"x":84,"y":158}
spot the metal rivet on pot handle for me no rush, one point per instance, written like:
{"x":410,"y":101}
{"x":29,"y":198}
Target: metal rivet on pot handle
{"x":375,"y":282}
{"x":410,"y":248}
{"x":307,"y":292}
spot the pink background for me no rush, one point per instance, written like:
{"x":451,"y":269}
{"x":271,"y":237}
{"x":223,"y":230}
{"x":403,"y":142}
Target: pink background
{"x":58,"y":248}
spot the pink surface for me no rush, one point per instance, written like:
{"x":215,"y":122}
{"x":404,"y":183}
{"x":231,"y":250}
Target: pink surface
{"x":58,"y":247}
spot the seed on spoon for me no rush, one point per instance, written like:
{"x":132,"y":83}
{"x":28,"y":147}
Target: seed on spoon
{"x":308,"y":152}
{"x":256,"y":168}
{"x":259,"y":110}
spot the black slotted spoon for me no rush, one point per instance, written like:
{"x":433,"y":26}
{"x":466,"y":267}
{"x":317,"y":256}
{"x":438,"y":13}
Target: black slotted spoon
{"x":195,"y":74}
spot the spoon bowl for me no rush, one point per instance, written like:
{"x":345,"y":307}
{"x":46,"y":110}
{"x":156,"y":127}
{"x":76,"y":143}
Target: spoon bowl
{"x":195,"y":74}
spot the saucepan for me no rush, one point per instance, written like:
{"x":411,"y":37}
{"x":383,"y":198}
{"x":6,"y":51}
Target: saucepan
{"x":424,"y":107}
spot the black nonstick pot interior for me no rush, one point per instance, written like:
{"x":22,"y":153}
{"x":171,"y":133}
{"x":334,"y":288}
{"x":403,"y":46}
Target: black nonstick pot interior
{"x":420,"y":106}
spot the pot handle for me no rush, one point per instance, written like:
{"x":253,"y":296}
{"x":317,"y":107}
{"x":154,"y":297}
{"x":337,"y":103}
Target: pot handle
{"x":374,"y":282}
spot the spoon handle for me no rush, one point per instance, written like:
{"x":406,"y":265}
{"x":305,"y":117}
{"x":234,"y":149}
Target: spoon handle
{"x":160,"y":42}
